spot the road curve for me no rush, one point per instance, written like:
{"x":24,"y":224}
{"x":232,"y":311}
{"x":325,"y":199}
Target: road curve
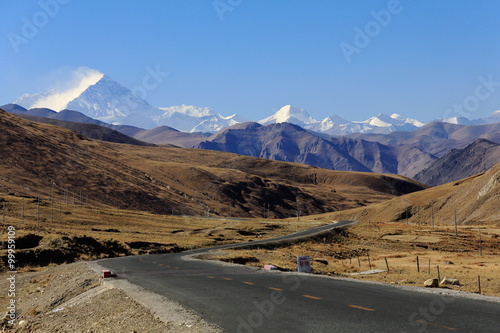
{"x":247,"y":300}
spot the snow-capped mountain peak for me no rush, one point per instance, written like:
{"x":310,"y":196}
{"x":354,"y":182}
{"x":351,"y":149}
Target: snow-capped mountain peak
{"x":393,"y":121}
{"x":188,"y":110}
{"x":495,"y":114}
{"x":190,"y":118}
{"x":335,"y":125}
{"x":382,"y":120}
{"x":290,"y":114}
{"x":336,"y":119}
{"x":492,"y":118}
{"x":98,"y":96}
{"x":109,"y":101}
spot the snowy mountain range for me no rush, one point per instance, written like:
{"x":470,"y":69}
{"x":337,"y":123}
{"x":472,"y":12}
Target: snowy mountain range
{"x":493,"y":118}
{"x":336,"y":125}
{"x":100,"y":97}
{"x":189,"y":118}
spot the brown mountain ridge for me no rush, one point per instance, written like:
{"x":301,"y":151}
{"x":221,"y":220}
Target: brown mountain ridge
{"x":474,"y":200}
{"x":41,"y":158}
{"x":479,"y":156}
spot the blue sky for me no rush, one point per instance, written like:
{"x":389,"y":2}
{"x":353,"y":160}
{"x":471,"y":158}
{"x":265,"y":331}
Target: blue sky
{"x":252,"y":57}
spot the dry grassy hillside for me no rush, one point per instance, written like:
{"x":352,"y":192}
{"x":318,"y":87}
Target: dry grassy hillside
{"x":474,"y":199}
{"x":236,"y":182}
{"x":408,"y":252}
{"x":39,"y":158}
{"x":45,"y":159}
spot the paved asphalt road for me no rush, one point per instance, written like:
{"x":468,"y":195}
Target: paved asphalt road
{"x":246,"y":300}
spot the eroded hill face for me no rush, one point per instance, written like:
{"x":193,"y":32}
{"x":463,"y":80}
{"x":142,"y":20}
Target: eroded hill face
{"x":38,"y":158}
{"x":474,"y":199}
{"x":477,"y":157}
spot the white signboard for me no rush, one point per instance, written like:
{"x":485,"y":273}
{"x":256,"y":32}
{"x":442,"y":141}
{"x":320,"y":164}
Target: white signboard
{"x":304,"y":264}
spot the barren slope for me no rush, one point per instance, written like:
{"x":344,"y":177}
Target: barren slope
{"x":39,"y":158}
{"x":477,"y":157}
{"x":474,"y":199}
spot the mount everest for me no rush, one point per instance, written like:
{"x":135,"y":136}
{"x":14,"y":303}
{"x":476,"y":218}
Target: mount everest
{"x":100,"y":97}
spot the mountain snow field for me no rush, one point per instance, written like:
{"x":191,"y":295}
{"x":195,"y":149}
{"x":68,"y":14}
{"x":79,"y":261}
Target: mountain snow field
{"x":100,"y":97}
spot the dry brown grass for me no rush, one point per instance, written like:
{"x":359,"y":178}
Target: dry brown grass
{"x":474,"y":200}
{"x":157,"y":232}
{"x":457,"y":256}
{"x":45,"y":159}
{"x":195,"y":181}
{"x":398,"y":242}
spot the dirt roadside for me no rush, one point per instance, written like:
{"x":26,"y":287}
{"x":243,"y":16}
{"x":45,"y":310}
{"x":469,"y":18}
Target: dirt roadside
{"x":73,"y":298}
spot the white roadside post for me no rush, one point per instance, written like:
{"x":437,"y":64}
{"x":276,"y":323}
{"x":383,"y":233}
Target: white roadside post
{"x":304,"y":264}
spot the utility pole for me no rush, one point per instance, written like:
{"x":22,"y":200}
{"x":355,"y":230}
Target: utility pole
{"x":456,"y":226}
{"x":38,"y":209}
{"x":418,"y":216}
{"x":297,"y":210}
{"x":480,"y":244}
{"x":52,"y":212}
{"x":60,"y":209}
{"x":432,"y":215}
{"x":52,"y":203}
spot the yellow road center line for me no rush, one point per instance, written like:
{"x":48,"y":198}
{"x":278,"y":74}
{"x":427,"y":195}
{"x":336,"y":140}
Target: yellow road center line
{"x":437,"y":325}
{"x":312,"y":297}
{"x":272,"y":288}
{"x":176,"y":267}
{"x":228,"y":279}
{"x":250,"y":283}
{"x":211,"y":277}
{"x":361,"y":308}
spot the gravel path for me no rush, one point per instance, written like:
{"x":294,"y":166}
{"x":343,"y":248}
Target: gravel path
{"x":73,"y":298}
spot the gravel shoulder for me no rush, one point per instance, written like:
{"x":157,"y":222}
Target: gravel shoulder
{"x":74,"y":298}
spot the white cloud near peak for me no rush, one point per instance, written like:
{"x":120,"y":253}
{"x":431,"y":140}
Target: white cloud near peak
{"x":81,"y":79}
